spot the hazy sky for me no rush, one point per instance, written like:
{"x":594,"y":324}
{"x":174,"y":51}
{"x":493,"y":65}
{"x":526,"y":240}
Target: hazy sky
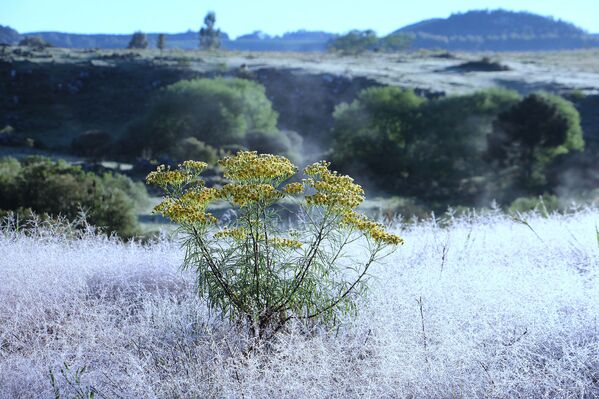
{"x":237,"y":17}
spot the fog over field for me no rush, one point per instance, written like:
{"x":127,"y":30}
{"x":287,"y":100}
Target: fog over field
{"x":478,"y":306}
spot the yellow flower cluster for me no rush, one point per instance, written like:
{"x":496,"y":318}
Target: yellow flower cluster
{"x":248,"y":166}
{"x":200,"y":197}
{"x":285,"y":242}
{"x":238,"y":233}
{"x":183,"y":213}
{"x":163,"y":177}
{"x":194,"y":166}
{"x":293,"y":188}
{"x":190,"y":207}
{"x":338,"y":192}
{"x":373,"y":229}
{"x":244,"y":194}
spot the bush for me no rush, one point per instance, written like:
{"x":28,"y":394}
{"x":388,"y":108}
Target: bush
{"x":257,"y":271}
{"x":545,"y":204}
{"x":286,"y":143}
{"x":92,"y":143}
{"x":56,"y":188}
{"x":192,"y":148}
{"x":216,"y":112}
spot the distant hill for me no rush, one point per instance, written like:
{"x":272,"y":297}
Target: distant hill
{"x":258,"y":41}
{"x":499,"y":30}
{"x":495,"y":23}
{"x":9,"y":35}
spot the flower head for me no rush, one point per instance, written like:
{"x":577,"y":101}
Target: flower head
{"x":249,"y":166}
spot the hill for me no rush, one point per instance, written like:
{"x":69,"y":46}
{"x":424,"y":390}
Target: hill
{"x":257,"y":41}
{"x":482,"y":30}
{"x":495,"y":23}
{"x":9,"y":35}
{"x":499,"y":30}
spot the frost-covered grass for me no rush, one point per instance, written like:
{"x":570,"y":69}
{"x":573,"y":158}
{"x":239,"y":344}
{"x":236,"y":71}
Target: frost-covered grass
{"x":485,"y":307}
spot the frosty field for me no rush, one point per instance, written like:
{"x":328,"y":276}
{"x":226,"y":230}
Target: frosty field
{"x":483,"y":307}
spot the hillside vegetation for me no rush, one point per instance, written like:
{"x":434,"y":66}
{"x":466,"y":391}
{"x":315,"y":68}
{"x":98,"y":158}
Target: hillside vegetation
{"x":388,"y":123}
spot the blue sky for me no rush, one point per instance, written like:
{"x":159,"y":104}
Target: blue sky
{"x":237,"y":17}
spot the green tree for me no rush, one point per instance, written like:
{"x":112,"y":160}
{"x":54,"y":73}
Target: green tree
{"x":209,"y":36}
{"x":375,"y":133}
{"x":407,"y":144}
{"x":529,"y":135}
{"x":139,"y":40}
{"x":447,"y":159}
{"x":217,"y":112}
{"x":354,"y":42}
{"x":160,"y":42}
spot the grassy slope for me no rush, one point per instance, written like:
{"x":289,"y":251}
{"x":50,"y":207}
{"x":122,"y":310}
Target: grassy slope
{"x":506,"y":312}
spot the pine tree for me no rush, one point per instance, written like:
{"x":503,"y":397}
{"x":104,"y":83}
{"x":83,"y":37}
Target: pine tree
{"x":209,"y":37}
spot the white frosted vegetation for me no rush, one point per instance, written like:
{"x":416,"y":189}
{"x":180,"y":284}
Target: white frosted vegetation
{"x":486,"y":307}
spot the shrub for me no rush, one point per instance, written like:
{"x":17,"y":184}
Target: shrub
{"x":544,"y":203}
{"x":216,"y":112}
{"x":192,"y":148}
{"x":257,"y":271}
{"x":56,"y":188}
{"x":92,"y":143}
{"x":286,"y":143}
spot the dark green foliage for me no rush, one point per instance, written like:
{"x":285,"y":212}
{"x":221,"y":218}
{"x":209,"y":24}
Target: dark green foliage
{"x":529,"y":135}
{"x":407,"y":144}
{"x":56,"y":188}
{"x":354,"y":42}
{"x":217,"y":112}
{"x":209,"y":36}
{"x":447,"y":159}
{"x":139,"y":40}
{"x":376,"y":132}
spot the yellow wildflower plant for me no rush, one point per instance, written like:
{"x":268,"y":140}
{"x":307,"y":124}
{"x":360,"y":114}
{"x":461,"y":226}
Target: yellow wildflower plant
{"x":253,"y":267}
